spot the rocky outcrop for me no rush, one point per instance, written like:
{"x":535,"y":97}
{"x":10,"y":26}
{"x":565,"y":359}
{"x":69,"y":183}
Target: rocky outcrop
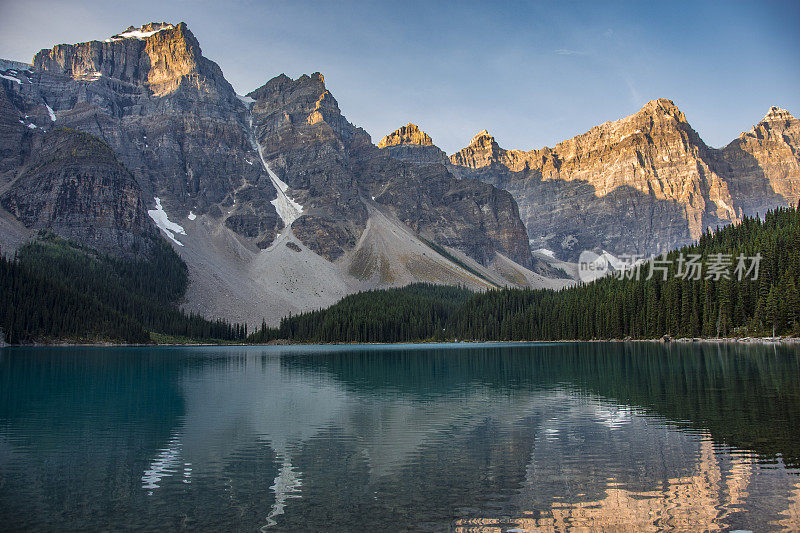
{"x":171,"y":118}
{"x":762,"y":166}
{"x":333,"y":170}
{"x":482,"y":151}
{"x":413,"y":145}
{"x":643,"y":184}
{"x":72,"y":185}
{"x":409,"y":134}
{"x":160,"y":57}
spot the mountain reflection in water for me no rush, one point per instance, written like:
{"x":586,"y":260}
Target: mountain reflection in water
{"x":542,"y":437}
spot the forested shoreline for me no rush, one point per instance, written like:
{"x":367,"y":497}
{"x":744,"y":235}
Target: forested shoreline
{"x":717,"y":304}
{"x":54,"y":291}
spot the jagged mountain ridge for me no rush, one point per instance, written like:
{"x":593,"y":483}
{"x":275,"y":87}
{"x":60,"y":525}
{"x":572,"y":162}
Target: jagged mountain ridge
{"x":282,"y":169}
{"x":245,"y":177}
{"x":171,"y":117}
{"x":180,"y":128}
{"x":642,"y":184}
{"x":334,"y":171}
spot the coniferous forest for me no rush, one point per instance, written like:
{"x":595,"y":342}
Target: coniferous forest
{"x":715,"y":305}
{"x":415,"y":312}
{"x":54,"y":290}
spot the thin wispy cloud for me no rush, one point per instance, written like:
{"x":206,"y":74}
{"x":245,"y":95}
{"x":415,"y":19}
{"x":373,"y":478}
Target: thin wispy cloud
{"x":636,"y":99}
{"x":568,"y":52}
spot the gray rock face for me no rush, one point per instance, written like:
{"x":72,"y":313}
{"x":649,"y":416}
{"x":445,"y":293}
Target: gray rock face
{"x":12,"y":135}
{"x":305,"y":139}
{"x":171,"y":118}
{"x":72,"y":184}
{"x":640,"y":185}
{"x":762,"y":166}
{"x":174,"y":121}
{"x":333,"y":170}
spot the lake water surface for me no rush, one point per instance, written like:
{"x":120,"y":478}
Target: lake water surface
{"x":538,"y":437}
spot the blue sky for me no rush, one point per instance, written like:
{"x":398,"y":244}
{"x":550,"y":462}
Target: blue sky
{"x":532,"y":73}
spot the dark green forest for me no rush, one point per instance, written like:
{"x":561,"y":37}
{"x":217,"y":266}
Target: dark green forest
{"x":611,"y":307}
{"x":415,"y":312}
{"x":650,"y":308}
{"x":55,"y":290}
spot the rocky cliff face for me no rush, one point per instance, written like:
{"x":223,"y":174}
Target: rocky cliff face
{"x":762,"y":166}
{"x":639,"y":185}
{"x":169,"y":115}
{"x":334,"y":171}
{"x":408,"y":134}
{"x":71,"y":183}
{"x":176,"y":123}
{"x":303,"y":136}
{"x":413,"y":145}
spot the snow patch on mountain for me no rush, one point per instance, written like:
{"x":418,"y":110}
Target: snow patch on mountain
{"x":137,"y":33}
{"x":15,"y":80}
{"x":163,"y":222}
{"x":246,"y":100}
{"x":287,"y":208}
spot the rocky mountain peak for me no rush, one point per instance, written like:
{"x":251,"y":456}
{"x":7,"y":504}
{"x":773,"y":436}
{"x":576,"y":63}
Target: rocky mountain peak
{"x":305,"y":100}
{"x":412,"y":145}
{"x":159,"y":56}
{"x":776,"y":124}
{"x":778,"y":118}
{"x":658,"y":113}
{"x":659,"y":118}
{"x":482,"y":151}
{"x":310,"y":90}
{"x":408,"y":134}
{"x":664,"y":106}
{"x":777,"y":113}
{"x":482,"y":138}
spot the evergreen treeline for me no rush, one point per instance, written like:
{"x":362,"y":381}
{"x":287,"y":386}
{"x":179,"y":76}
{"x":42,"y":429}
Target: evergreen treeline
{"x":610,"y":307}
{"x":55,"y":290}
{"x":415,"y":312}
{"x":650,"y":308}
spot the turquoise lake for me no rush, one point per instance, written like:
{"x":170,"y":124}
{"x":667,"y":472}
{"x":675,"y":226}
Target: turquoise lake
{"x":465,"y":437}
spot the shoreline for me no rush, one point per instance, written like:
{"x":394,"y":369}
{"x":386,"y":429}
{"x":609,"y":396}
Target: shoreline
{"x":282,"y":342}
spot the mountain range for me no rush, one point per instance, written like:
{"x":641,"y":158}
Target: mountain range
{"x":278,"y":204}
